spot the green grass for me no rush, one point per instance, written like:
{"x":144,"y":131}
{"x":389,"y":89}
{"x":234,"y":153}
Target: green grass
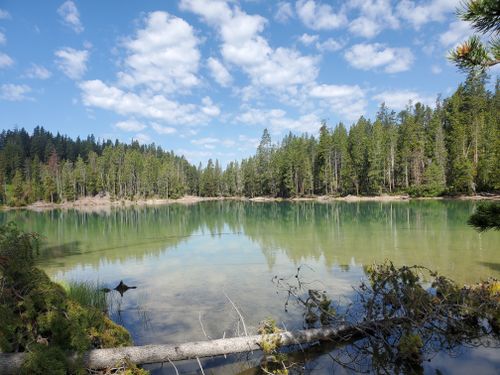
{"x":87,"y":293}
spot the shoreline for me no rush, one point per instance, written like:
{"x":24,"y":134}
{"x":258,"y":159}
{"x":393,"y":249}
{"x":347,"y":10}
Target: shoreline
{"x":105,"y":203}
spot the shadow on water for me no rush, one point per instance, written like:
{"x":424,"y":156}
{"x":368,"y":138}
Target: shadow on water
{"x":491,"y":265}
{"x":60,"y":250}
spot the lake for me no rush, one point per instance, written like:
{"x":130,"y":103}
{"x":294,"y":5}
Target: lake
{"x":185,"y":259}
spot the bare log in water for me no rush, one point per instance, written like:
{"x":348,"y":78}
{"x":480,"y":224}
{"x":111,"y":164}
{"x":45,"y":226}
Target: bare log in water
{"x":10,"y":363}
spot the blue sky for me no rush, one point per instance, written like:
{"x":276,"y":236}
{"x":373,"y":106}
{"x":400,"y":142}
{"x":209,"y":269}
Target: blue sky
{"x":205,"y":77}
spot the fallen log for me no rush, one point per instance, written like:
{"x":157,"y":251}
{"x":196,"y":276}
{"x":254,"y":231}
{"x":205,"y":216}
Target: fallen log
{"x":10,"y":363}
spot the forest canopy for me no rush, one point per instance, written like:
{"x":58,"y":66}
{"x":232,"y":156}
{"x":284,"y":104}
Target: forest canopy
{"x":453,"y":148}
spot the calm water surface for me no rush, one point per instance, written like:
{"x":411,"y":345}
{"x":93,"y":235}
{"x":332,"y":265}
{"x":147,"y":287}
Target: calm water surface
{"x":183,"y":259}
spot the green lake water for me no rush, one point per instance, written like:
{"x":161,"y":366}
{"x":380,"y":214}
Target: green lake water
{"x":184,"y":259}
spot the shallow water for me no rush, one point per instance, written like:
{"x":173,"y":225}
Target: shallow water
{"x":184,"y":259}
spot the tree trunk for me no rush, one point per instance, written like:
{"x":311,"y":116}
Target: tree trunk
{"x":10,"y":363}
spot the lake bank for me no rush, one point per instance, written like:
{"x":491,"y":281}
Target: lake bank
{"x":105,"y":202}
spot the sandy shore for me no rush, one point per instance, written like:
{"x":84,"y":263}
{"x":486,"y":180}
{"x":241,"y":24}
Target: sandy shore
{"x":105,"y":203}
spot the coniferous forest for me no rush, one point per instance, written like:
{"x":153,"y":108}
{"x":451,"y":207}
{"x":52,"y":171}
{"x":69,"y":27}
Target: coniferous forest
{"x":453,"y":148}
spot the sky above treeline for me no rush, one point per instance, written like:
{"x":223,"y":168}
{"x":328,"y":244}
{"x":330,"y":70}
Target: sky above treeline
{"x":205,"y":77}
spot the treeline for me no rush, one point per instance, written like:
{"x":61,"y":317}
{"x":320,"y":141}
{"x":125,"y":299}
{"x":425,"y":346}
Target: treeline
{"x":56,"y":168}
{"x":453,"y":148}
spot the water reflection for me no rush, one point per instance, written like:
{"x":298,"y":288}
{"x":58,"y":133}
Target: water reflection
{"x":432,"y":233}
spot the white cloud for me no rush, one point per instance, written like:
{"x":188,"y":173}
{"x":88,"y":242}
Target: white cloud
{"x":12,"y":92}
{"x":70,"y":15}
{"x":5,"y":60}
{"x":284,"y":12}
{"x":348,"y":101}
{"x":374,"y":16}
{"x":420,"y":14}
{"x":373,"y":56}
{"x":162,"y":63}
{"x":163,"y":56}
{"x":142,"y":138}
{"x":319,"y":16}
{"x":329,"y":45}
{"x":96,"y":93}
{"x":308,"y":39}
{"x":399,"y":99}
{"x":209,"y":108}
{"x":219,"y":72}
{"x":278,"y":121}
{"x":210,"y":142}
{"x":37,"y":72}
{"x":242,"y":45}
{"x":160,"y":129}
{"x":4,"y":15}
{"x":72,"y":62}
{"x":3,"y":39}
{"x":130,"y":126}
{"x":457,"y":32}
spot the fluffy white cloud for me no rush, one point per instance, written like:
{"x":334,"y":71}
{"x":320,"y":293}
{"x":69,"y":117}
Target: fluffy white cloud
{"x":399,"y":99}
{"x":373,"y":56}
{"x":219,"y":72}
{"x":3,"y":39}
{"x":161,"y":64}
{"x":96,"y":93}
{"x":457,"y":32}
{"x":4,"y":15}
{"x":209,"y":108}
{"x":329,"y":45}
{"x":308,"y":39}
{"x":278,"y":121}
{"x":37,"y":72}
{"x":284,"y":12}
{"x":419,"y":14}
{"x":374,"y":16}
{"x":163,"y":130}
{"x":70,"y":16}
{"x":242,"y":45}
{"x":12,"y":92}
{"x":72,"y":62}
{"x":163,"y":56}
{"x":348,"y":101}
{"x":5,"y":60}
{"x":130,"y":126}
{"x":319,"y":16}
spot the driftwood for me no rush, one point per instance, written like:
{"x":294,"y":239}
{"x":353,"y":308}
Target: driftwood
{"x":10,"y":363}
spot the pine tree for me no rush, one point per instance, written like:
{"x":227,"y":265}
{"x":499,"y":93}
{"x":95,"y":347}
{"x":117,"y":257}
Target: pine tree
{"x":324,"y":162}
{"x":18,"y":189}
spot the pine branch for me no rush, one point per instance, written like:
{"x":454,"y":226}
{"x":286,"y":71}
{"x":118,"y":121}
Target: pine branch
{"x":473,"y":55}
{"x":486,"y":217}
{"x":484,"y":15}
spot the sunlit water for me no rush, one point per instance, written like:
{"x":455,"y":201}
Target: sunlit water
{"x":185,"y":259}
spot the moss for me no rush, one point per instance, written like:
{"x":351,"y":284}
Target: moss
{"x":38,"y":317}
{"x":43,"y":360}
{"x":269,"y":343}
